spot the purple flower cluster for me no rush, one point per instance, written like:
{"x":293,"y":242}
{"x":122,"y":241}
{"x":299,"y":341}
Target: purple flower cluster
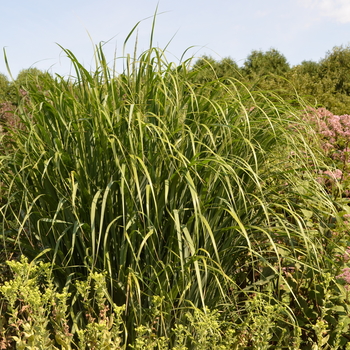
{"x":336,"y":174}
{"x":345,"y":276}
{"x":346,"y":255}
{"x":334,"y":131}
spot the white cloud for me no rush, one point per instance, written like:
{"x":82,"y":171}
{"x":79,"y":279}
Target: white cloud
{"x":336,"y":9}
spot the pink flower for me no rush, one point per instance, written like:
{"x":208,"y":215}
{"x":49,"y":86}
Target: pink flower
{"x":346,"y":255}
{"x":335,"y":175}
{"x":345,"y":276}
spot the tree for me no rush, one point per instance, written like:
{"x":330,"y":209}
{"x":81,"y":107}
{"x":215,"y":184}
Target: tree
{"x":327,"y":81}
{"x":334,"y":69}
{"x":305,"y":78}
{"x":4,"y":88}
{"x":259,"y":64}
{"x":311,"y":68}
{"x":30,"y":76}
{"x":208,"y":69}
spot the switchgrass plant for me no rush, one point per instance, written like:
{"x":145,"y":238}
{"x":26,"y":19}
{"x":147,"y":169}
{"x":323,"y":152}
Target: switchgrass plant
{"x":201,"y":195}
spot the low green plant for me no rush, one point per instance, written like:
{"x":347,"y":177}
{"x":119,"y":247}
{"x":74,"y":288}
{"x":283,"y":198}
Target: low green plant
{"x":28,"y":298}
{"x":35,"y":315}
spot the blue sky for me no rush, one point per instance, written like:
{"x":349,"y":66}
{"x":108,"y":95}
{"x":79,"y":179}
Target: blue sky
{"x":299,"y":29}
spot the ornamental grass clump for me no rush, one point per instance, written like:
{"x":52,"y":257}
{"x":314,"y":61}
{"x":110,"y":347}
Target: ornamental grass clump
{"x":171,"y":188}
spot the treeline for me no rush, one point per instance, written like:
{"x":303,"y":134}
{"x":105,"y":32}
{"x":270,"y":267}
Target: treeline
{"x":12,"y":91}
{"x":325,"y":83}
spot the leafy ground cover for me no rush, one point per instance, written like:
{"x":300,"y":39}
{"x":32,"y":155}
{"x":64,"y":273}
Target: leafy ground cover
{"x":152,"y":209}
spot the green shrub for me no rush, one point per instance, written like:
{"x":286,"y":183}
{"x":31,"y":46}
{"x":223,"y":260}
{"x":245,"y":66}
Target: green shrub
{"x":35,"y":316}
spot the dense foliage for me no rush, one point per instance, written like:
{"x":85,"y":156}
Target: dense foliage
{"x":324,"y":83}
{"x":188,"y":201}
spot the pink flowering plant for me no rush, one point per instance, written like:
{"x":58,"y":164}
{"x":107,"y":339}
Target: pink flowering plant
{"x":334,"y":136}
{"x":334,"y":130}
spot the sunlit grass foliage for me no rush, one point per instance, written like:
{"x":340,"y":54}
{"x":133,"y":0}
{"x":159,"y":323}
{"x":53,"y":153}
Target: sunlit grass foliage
{"x":199,"y":194}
